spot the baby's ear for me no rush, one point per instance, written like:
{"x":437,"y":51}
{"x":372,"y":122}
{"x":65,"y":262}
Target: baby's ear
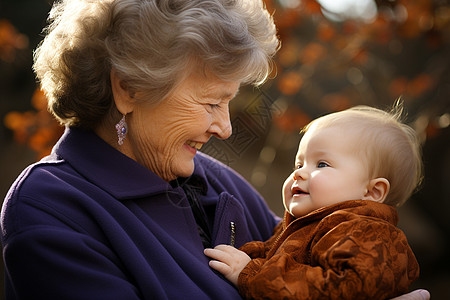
{"x":377,"y":190}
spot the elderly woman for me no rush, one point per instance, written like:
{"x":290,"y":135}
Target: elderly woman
{"x":124,"y":205}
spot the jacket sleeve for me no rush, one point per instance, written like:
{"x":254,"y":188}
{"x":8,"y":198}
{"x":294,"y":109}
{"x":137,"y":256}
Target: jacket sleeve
{"x":49,"y":254}
{"x":359,"y":259}
{"x":47,"y":262}
{"x":258,"y":249}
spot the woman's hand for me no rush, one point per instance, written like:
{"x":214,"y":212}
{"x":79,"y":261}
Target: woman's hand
{"x":414,"y":295}
{"x":228,"y":260}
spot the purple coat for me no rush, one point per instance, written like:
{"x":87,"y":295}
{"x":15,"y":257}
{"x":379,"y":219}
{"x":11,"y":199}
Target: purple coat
{"x":88,"y":222}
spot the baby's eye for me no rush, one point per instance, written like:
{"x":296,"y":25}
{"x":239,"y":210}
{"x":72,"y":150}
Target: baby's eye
{"x":298,"y":166}
{"x":322,"y":164}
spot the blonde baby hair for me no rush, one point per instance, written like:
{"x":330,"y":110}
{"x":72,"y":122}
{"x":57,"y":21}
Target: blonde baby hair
{"x":390,"y":147}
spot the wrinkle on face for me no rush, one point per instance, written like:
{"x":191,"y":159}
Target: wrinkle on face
{"x":159,"y":133}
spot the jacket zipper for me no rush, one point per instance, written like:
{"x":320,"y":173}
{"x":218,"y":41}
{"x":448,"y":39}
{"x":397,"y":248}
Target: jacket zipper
{"x":233,"y":233}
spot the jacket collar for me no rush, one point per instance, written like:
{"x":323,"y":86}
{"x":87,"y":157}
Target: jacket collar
{"x":361,"y":207}
{"x":108,"y":168}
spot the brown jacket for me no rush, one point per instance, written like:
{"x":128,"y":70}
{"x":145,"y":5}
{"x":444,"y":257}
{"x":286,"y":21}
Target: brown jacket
{"x":350,"y":250}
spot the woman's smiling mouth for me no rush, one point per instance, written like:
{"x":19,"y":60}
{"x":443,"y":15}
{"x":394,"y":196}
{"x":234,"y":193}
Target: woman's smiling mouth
{"x":196,"y":145}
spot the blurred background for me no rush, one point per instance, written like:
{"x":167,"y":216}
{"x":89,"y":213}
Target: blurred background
{"x":335,"y":54}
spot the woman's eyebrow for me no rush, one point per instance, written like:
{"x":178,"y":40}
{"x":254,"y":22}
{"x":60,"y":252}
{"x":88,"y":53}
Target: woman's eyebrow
{"x":220,"y":95}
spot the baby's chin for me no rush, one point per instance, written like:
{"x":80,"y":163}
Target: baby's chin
{"x":296,"y":211}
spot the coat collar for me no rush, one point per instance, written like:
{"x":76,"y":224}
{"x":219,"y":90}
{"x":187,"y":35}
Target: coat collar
{"x":108,"y":168}
{"x":361,"y":207}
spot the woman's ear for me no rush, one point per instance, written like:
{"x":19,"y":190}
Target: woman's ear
{"x":377,"y":190}
{"x":123,"y":98}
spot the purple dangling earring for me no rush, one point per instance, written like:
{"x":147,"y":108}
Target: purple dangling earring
{"x":122,"y":130}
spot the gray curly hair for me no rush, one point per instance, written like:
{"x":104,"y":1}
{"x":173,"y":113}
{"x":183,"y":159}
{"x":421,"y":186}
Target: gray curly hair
{"x":151,"y":44}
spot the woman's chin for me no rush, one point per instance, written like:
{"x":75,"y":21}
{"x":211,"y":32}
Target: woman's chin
{"x":185,"y":170}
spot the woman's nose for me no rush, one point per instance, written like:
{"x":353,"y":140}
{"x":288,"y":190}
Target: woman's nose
{"x":221,"y":125}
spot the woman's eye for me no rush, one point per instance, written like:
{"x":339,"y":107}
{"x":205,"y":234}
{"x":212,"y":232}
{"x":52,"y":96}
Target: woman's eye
{"x":322,"y":165}
{"x":214,"y":105}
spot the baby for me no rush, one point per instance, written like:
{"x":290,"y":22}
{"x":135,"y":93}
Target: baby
{"x":338,"y":238}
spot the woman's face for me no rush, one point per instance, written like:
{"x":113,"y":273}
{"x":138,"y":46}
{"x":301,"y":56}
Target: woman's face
{"x":166,"y":137}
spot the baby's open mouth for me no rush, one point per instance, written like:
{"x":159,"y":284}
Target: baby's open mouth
{"x":298,"y":191}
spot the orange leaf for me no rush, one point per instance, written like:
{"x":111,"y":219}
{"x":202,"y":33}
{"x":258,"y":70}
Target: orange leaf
{"x":39,"y":101}
{"x":290,"y":83}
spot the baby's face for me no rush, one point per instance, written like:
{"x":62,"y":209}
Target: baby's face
{"x":328,"y":169}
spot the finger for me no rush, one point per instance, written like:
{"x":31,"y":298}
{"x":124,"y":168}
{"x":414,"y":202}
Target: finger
{"x":225,"y":248}
{"x":414,"y":295}
{"x":230,"y":250}
{"x":220,"y":266}
{"x":216,"y":254}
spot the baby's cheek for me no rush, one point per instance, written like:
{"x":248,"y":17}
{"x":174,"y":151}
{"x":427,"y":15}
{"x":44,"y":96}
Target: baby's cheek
{"x":286,"y":190}
{"x":287,"y":185}
{"x":318,"y":185}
